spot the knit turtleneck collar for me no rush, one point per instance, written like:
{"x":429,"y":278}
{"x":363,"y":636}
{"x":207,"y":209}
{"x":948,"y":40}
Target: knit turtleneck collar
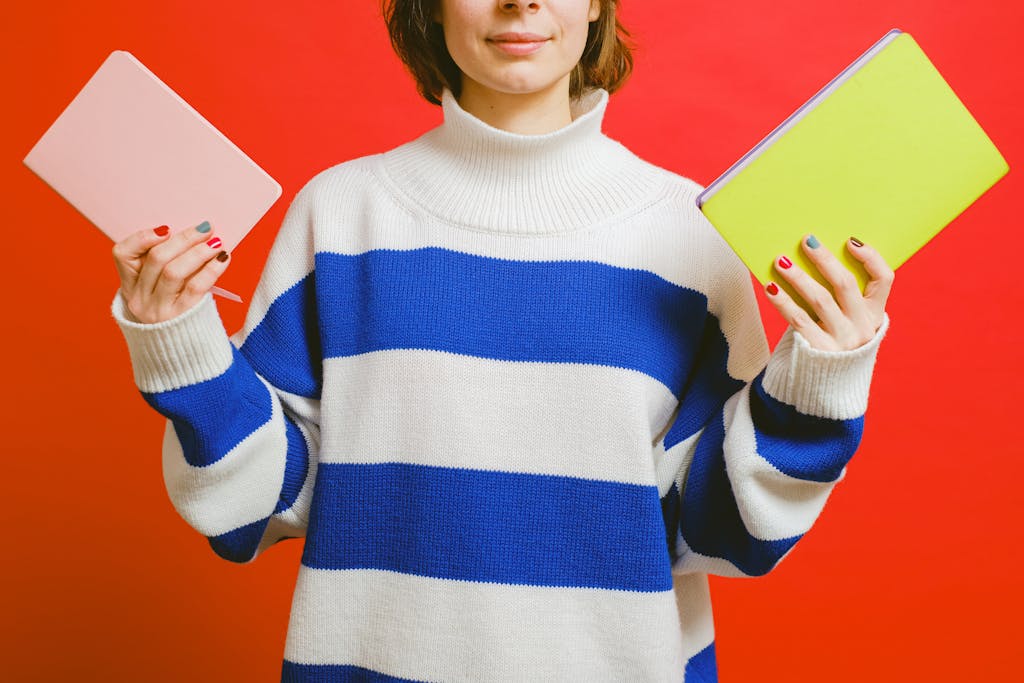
{"x":468,"y":173}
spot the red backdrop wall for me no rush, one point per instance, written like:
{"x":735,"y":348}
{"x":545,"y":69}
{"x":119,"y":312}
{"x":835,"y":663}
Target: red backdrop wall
{"x":913,"y":569}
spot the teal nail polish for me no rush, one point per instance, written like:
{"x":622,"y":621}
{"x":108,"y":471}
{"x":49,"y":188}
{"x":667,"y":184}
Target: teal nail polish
{"x":813,"y":242}
{"x":204,"y":226}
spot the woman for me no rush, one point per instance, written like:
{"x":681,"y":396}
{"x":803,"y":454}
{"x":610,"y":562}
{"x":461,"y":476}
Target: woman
{"x":505,"y":378}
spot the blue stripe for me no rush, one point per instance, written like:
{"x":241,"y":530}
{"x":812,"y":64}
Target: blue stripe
{"x":239,"y":545}
{"x":284,"y":347}
{"x":708,"y":387}
{"x":544,"y":311}
{"x":702,"y":667}
{"x":799,"y":445}
{"x":296,"y":466}
{"x":476,"y":525}
{"x":334,"y":673}
{"x":710,"y":519}
{"x":208,"y":426}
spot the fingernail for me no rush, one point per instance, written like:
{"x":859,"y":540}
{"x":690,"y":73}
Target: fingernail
{"x":813,"y":242}
{"x":785,"y":263}
{"x":162,"y":230}
{"x":204,"y":226}
{"x":856,"y":242}
{"x":214,"y":242}
{"x":222,"y":256}
{"x":772,"y":288}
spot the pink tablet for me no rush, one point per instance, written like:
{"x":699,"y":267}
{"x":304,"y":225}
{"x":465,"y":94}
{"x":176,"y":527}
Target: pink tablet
{"x":129,"y":153}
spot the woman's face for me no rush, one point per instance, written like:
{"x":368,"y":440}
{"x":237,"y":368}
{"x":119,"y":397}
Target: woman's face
{"x":516,"y":47}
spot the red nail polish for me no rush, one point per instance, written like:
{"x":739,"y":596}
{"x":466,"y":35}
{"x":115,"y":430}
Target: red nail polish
{"x":214,"y":242}
{"x":162,"y":230}
{"x":785,"y":263}
{"x":773,"y":289}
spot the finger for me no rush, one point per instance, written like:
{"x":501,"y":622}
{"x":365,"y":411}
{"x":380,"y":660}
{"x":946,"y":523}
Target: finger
{"x":819,"y":298}
{"x":203,"y":280}
{"x":842,"y":280}
{"x":160,"y":255}
{"x":128,"y":252}
{"x":882,"y":276}
{"x":798,"y":318}
{"x":179,"y":270}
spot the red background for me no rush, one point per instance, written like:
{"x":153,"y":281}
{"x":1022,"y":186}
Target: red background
{"x":913,"y":569}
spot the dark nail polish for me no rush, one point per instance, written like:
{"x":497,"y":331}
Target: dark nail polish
{"x":785,"y":263}
{"x":856,"y":242}
{"x":222,"y":256}
{"x":204,"y":226}
{"x":813,"y":242}
{"x":162,"y":230}
{"x":773,"y":289}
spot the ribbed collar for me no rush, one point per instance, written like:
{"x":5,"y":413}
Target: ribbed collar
{"x":471,"y":174}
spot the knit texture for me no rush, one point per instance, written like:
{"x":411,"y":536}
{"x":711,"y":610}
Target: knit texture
{"x":514,"y":394}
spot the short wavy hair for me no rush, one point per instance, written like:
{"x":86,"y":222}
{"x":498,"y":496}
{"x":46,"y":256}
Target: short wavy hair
{"x":607,"y":60}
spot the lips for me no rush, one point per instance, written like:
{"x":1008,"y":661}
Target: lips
{"x":518,"y":38}
{"x":518,"y":44}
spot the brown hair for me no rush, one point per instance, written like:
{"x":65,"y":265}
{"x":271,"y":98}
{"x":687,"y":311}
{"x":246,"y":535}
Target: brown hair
{"x":607,"y":59}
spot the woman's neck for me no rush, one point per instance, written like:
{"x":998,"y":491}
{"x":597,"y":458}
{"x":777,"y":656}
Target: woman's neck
{"x":535,"y":113}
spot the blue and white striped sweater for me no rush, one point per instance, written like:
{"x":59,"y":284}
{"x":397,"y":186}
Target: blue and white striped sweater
{"x":512,"y":456}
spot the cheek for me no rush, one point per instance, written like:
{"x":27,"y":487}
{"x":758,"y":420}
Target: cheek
{"x":574,"y":40}
{"x":454,"y":39}
{"x":460,"y":36}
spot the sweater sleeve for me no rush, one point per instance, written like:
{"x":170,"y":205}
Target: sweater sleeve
{"x":242,"y":412}
{"x":757,"y":443}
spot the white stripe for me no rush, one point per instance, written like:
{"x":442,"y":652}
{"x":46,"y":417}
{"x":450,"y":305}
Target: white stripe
{"x":435,"y":629}
{"x":693,"y":596}
{"x":675,"y":462}
{"x":439,"y":408}
{"x":772,"y":505}
{"x":240,"y":488}
{"x":692,"y":562}
{"x":659,"y":240}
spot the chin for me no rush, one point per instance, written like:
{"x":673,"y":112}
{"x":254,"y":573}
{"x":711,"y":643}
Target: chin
{"x":523,"y":85}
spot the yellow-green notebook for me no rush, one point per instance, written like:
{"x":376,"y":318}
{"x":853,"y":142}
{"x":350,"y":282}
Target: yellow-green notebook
{"x":885,"y":152}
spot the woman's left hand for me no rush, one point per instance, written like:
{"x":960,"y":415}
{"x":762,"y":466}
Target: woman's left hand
{"x":847,"y":320}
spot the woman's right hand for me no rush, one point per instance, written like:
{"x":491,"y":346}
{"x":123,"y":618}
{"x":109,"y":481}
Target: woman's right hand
{"x":163,"y":276}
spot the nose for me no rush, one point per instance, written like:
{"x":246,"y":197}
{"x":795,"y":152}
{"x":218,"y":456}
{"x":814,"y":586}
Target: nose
{"x":510,"y":5}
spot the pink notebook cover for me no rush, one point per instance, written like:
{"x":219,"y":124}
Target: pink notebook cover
{"x":129,"y":153}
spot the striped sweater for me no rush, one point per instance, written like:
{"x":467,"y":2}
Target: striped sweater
{"x":514,"y":394}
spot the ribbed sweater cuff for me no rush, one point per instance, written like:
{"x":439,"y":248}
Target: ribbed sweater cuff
{"x":190,"y":348}
{"x":828,"y":384}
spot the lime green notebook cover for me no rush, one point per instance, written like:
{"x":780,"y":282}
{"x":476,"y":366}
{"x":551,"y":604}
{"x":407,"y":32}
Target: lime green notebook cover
{"x":885,"y":152}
